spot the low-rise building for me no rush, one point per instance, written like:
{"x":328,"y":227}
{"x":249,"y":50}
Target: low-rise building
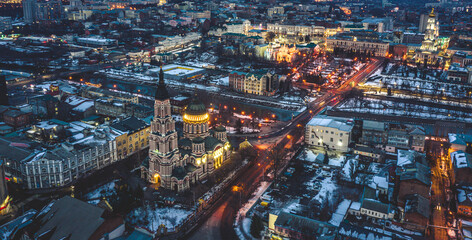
{"x":71,"y":218}
{"x":96,"y":42}
{"x":335,"y":134}
{"x":464,"y":200}
{"x":375,"y":154}
{"x":462,"y":166}
{"x":179,"y":103}
{"x":460,"y":142}
{"x":93,"y":92}
{"x":374,"y":133}
{"x":413,"y":175}
{"x":48,"y":130}
{"x":116,"y":108}
{"x":456,"y":73}
{"x":45,"y":106}
{"x":416,"y":213}
{"x":292,"y":226}
{"x":16,"y":118}
{"x":374,"y":209}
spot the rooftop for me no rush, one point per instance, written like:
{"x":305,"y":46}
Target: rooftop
{"x":331,"y":123}
{"x":69,"y":218}
{"x":130,"y":125}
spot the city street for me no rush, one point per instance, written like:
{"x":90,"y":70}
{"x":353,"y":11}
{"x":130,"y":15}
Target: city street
{"x":439,"y":199}
{"x":220,"y":224}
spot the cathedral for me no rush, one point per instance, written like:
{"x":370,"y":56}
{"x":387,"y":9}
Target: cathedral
{"x":433,"y":48}
{"x":177,"y":163}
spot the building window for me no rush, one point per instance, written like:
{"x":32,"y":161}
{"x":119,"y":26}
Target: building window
{"x":331,"y":139}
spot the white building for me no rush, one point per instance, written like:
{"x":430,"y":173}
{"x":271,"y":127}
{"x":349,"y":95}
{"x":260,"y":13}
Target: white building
{"x":89,"y":149}
{"x":295,"y":29}
{"x":332,"y":133}
{"x":232,"y":27}
{"x":97,"y":42}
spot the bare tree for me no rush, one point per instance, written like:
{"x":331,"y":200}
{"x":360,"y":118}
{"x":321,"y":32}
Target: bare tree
{"x":276,"y":155}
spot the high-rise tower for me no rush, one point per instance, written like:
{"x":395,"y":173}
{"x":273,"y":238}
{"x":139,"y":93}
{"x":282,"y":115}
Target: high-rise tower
{"x":163,"y":147}
{"x":431,"y":33}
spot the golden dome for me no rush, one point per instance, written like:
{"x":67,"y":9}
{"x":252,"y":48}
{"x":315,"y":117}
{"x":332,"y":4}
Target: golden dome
{"x":432,"y":13}
{"x":195,"y":119}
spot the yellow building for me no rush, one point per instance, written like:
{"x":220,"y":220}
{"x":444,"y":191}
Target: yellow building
{"x":134,"y":137}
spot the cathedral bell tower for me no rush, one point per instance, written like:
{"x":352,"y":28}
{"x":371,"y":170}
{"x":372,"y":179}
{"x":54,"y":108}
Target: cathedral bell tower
{"x":431,"y":33}
{"x":163,"y":148}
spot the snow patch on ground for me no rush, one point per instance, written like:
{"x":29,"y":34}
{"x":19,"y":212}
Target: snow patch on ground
{"x":152,"y":217}
{"x":107,"y":189}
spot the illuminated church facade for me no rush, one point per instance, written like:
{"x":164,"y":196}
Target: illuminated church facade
{"x":433,"y":48}
{"x":175,"y":163}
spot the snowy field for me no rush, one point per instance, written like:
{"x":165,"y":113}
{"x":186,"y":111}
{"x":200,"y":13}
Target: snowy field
{"x":385,"y":107}
{"x":410,"y":83}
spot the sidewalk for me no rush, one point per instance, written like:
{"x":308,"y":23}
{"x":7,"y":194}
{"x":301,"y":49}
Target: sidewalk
{"x":242,"y":224}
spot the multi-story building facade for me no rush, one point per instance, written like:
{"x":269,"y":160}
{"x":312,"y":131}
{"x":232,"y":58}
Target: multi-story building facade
{"x":335,"y":134}
{"x":374,"y":133}
{"x":254,"y":83}
{"x":175,"y":163}
{"x":29,"y":10}
{"x":5,"y":23}
{"x":87,"y":151}
{"x":286,"y":29}
{"x":376,"y":47}
{"x":134,"y":136}
{"x":397,"y":139}
{"x":34,"y":10}
{"x":116,"y":108}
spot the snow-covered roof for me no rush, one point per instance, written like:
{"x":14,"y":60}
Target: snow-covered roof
{"x":46,"y":125}
{"x":330,"y":123}
{"x":373,"y":125}
{"x":84,"y":106}
{"x":456,"y":139}
{"x":341,"y":211}
{"x":74,"y":100}
{"x":405,"y":157}
{"x":355,"y":206}
{"x":379,"y":182}
{"x":177,"y":70}
{"x":461,"y":159}
{"x":463,"y":196}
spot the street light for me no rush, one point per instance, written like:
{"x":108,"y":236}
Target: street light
{"x":238,"y":189}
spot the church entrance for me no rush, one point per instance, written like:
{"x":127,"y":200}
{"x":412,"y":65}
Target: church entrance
{"x":157,"y":180}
